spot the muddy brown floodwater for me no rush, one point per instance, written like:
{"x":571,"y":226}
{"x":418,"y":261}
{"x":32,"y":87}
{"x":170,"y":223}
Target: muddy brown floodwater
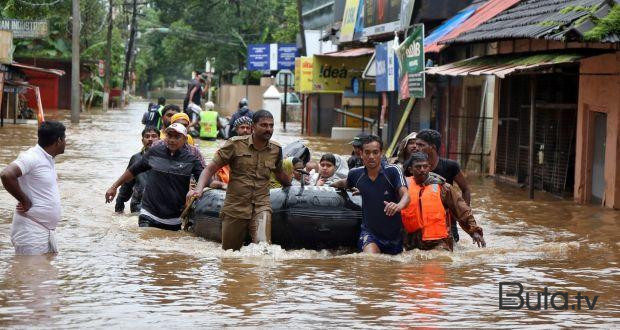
{"x":110,"y":273}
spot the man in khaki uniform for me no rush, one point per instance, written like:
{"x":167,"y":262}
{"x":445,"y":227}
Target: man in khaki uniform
{"x":251,"y":158}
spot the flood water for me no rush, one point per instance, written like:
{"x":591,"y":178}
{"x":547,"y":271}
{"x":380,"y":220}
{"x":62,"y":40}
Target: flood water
{"x":110,"y":273}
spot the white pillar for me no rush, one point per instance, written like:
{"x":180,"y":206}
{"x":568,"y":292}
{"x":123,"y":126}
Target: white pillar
{"x":271,"y":103}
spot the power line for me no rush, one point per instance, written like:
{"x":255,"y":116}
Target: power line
{"x":39,"y":4}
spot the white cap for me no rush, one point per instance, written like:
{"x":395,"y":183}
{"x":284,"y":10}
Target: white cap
{"x":209,"y":105}
{"x":177,"y":127}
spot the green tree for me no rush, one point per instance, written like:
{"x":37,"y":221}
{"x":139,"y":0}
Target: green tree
{"x":219,"y":29}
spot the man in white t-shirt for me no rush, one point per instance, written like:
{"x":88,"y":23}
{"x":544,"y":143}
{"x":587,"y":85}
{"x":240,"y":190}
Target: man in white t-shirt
{"x":32,"y":180}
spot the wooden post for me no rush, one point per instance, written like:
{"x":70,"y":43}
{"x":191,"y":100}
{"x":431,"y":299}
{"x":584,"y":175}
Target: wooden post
{"x":1,"y":95}
{"x":15,"y":107}
{"x":285,"y":103}
{"x":363,"y":105}
{"x":303,"y":112}
{"x":108,"y":59}
{"x":129,"y":51}
{"x":75,"y":63}
{"x":40,"y":116}
{"x":448,"y":114}
{"x":530,"y":170}
{"x":300,"y":16}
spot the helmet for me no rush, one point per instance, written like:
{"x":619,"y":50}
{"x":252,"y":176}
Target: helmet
{"x":243,"y":102}
{"x":209,"y":105}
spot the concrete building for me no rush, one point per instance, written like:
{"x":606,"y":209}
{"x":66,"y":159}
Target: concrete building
{"x":554,"y":117}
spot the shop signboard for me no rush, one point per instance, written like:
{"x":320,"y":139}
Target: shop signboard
{"x":385,"y":16}
{"x":25,"y":28}
{"x":303,"y":74}
{"x":335,"y":74}
{"x":349,"y":19}
{"x":386,"y":67}
{"x":411,"y":57}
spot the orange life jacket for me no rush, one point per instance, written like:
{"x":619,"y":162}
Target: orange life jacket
{"x":224,"y":174}
{"x":425,"y":200}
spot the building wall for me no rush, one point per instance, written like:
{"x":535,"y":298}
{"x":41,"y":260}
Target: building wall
{"x":599,"y":83}
{"x":48,"y":87}
{"x":469,"y":132}
{"x":64,"y":82}
{"x":230,"y":95}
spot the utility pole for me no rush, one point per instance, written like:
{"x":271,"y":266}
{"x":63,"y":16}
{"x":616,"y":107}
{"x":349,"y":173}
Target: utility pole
{"x":75,"y":63}
{"x":301,"y":29}
{"x":108,"y":60}
{"x":128,"y":53}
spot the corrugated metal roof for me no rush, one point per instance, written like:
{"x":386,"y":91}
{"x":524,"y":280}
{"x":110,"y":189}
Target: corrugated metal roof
{"x":502,"y":65}
{"x":36,"y":68}
{"x":481,"y":15}
{"x":547,"y":19}
{"x":448,"y":26}
{"x":355,"y":52}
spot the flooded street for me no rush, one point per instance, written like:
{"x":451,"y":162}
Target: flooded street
{"x":110,"y":273}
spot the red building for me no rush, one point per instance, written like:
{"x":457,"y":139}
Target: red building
{"x":54,"y":95}
{"x":48,"y":82}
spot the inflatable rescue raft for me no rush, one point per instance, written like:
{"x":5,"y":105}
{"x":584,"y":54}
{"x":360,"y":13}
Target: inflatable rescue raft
{"x":303,"y":217}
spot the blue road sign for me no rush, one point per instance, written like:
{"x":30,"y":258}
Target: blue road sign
{"x":286,"y":56}
{"x":258,"y":57}
{"x":271,"y":57}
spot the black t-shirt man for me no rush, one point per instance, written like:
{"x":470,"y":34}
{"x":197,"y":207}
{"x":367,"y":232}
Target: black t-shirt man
{"x":197,"y":95}
{"x":448,"y":169}
{"x":167,"y":183}
{"x":133,"y":189}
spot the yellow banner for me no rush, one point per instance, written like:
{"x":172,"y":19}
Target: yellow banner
{"x":303,"y":74}
{"x":334,"y":74}
{"x":348,"y":20}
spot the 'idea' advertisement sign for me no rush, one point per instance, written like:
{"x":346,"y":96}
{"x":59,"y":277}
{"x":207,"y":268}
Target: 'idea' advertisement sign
{"x":335,"y":74}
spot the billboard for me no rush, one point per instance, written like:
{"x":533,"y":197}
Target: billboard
{"x":411,"y":58}
{"x":386,"y":67}
{"x":349,"y":19}
{"x":335,"y":74}
{"x":286,"y":56}
{"x":271,"y":57}
{"x":303,"y":74}
{"x":258,"y":57}
{"x":25,"y":28}
{"x":385,"y":16}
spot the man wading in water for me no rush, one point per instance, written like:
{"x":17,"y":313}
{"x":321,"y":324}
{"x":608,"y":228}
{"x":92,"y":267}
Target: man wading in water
{"x":171,"y":167}
{"x":434,"y":203}
{"x":429,"y":142}
{"x":32,"y":180}
{"x":220,"y":179}
{"x":384,"y":194}
{"x":134,"y":188}
{"x":252,"y":159}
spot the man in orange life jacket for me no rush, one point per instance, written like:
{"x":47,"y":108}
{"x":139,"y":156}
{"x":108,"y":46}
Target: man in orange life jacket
{"x":434,"y":204}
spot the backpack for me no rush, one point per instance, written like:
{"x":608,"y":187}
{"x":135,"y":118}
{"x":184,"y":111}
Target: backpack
{"x":152,"y":115}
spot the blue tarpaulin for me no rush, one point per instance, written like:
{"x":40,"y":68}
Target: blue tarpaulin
{"x":449,"y":25}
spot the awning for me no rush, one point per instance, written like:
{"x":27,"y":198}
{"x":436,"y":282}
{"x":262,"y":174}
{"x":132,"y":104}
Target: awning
{"x":356,"y":52}
{"x":12,"y":86}
{"x":502,"y":65}
{"x":36,"y":68}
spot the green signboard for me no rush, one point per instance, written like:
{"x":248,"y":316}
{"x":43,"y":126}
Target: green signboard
{"x":411,"y":56}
